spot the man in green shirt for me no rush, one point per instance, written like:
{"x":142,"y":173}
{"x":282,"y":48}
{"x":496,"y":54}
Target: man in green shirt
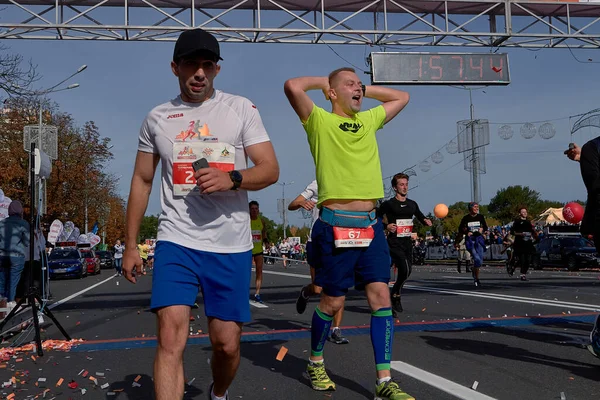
{"x":348,"y":240}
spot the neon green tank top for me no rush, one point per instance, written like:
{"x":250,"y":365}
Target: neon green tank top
{"x":256,"y":227}
{"x":346,"y":153}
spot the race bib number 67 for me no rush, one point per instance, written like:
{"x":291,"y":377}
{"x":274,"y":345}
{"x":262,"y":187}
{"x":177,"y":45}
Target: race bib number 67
{"x":353,"y":237}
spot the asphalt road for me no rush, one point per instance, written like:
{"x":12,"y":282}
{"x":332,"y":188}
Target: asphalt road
{"x":508,"y":339}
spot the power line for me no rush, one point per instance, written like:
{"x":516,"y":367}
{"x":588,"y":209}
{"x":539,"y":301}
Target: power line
{"x":438,"y":174}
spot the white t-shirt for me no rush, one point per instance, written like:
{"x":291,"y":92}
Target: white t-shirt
{"x":219,"y":130}
{"x":119,"y":248}
{"x":312,"y":193}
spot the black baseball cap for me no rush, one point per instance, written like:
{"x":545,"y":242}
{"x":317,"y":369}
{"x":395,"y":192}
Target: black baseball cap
{"x":194,"y":41}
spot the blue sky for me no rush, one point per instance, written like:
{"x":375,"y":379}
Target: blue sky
{"x":124,"y":80}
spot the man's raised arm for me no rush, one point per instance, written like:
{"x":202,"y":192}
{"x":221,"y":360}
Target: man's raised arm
{"x":295,"y":89}
{"x":393,"y":100}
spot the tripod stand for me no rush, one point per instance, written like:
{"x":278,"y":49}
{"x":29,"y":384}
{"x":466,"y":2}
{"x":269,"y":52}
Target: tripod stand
{"x":32,"y":293}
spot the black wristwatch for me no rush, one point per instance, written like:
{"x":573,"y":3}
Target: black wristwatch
{"x":236,"y":178}
{"x":364,"y":90}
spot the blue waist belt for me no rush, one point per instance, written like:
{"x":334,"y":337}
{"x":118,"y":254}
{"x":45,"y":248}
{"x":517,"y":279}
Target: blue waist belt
{"x":348,"y":219}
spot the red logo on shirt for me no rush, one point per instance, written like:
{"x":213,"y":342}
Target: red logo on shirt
{"x":175,"y":116}
{"x":253,"y":106}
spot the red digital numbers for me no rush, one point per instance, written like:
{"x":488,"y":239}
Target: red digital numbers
{"x":457,"y":67}
{"x":477,"y":67}
{"x":437,"y":68}
{"x":460,"y":66}
{"x":497,"y":69}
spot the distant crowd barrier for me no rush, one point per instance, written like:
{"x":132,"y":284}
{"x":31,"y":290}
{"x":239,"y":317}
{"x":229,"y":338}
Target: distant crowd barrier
{"x":492,"y":252}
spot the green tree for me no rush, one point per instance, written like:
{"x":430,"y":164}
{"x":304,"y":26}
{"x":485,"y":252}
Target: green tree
{"x":149,"y":227}
{"x":503,"y":206}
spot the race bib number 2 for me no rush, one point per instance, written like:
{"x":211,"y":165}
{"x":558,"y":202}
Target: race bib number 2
{"x":353,"y":237}
{"x":218,"y":154}
{"x":404,"y":227}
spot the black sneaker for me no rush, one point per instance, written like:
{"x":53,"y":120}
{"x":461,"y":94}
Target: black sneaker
{"x":397,"y":303}
{"x":523,"y":277}
{"x":301,"y":302}
{"x":458,"y":268}
{"x":477,"y":283}
{"x":337,"y":337}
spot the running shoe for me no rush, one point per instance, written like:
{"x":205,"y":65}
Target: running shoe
{"x":301,"y":302}
{"x":257,"y":298}
{"x":523,"y":277}
{"x":389,"y":390}
{"x":210,"y":390}
{"x":337,"y":337}
{"x":318,"y":376}
{"x":594,"y":346}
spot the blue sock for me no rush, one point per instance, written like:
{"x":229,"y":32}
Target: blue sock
{"x":382,"y":337}
{"x":321,"y":323}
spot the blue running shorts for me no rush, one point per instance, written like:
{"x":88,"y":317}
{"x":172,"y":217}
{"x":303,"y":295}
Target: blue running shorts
{"x":179,"y":272}
{"x":338,"y":269}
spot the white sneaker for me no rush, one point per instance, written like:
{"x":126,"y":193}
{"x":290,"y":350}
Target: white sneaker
{"x":10,"y":305}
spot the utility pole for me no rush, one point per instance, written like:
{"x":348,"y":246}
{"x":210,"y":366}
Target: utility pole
{"x":474,"y":171}
{"x":283,"y":207}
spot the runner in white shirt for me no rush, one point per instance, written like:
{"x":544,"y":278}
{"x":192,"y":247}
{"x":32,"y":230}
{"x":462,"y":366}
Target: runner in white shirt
{"x":204,"y":239}
{"x":308,"y":200}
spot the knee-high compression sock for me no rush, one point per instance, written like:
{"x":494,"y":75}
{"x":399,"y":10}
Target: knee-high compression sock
{"x":321,"y":323}
{"x":382,"y":336}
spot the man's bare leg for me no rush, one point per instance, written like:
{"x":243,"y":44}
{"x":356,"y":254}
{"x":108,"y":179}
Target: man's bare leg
{"x":225,"y":339}
{"x":173,"y":326}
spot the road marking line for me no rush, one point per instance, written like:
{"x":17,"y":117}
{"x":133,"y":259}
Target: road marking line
{"x":443,"y":384}
{"x":71,"y":297}
{"x":516,"y":299}
{"x":494,"y":296}
{"x":466,"y":278}
{"x":54,"y":305}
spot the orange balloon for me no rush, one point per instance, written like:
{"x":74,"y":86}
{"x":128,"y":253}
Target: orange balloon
{"x":440,"y":211}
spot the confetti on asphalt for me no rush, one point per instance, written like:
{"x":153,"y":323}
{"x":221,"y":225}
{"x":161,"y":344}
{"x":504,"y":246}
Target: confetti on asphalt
{"x":475,"y":384}
{"x":137,"y":378}
{"x":60,"y":381}
{"x":81,"y":372}
{"x":85,"y":374}
{"x":105,"y":386}
{"x":191,"y":381}
{"x":41,"y":379}
{"x":562,"y":396}
{"x":424,"y":309}
{"x":73,"y":385}
{"x":83,"y":391}
{"x":282,"y":352}
{"x":135,"y":384}
{"x":111,"y":393}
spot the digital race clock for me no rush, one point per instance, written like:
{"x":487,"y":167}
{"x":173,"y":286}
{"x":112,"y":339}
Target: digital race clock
{"x":439,"y":68}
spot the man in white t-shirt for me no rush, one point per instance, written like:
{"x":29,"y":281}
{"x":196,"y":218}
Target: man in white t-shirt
{"x":308,"y":200}
{"x":204,"y":239}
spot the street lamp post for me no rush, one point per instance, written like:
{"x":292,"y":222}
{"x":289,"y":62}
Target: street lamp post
{"x":40,"y":93}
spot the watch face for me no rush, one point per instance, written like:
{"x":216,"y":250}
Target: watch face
{"x":236,"y":175}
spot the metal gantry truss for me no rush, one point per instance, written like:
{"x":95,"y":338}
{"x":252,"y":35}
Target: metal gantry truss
{"x":484,"y":23}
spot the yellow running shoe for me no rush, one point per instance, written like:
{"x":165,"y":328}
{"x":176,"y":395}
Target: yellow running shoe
{"x":318,"y":377}
{"x":390,"y":390}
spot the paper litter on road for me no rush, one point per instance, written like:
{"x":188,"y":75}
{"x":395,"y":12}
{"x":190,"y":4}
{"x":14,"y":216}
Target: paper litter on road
{"x":282,"y":352}
{"x":60,"y":381}
{"x":475,"y":384}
